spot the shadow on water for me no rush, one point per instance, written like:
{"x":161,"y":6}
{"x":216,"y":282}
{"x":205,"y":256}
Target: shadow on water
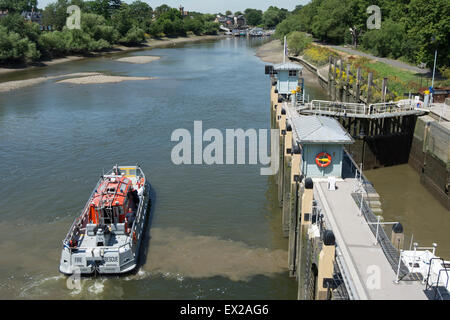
{"x":143,"y":250}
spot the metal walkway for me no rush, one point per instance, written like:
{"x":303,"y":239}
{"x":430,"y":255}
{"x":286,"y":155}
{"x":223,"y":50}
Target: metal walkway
{"x":368,"y":272}
{"x":361,"y":110}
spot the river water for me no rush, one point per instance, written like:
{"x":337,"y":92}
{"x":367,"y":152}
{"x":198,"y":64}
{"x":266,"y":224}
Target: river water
{"x":214,"y":230}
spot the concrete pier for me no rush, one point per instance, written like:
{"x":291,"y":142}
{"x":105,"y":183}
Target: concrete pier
{"x":333,"y":252}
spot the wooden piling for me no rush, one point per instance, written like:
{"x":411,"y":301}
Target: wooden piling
{"x":296,"y":191}
{"x":369,"y":87}
{"x":287,"y":180}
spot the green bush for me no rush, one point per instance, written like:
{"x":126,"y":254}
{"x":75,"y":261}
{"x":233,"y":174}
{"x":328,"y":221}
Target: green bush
{"x":16,"y":49}
{"x":211,"y":27}
{"x":292,"y":23}
{"x":134,"y":36}
{"x":298,"y":41}
{"x":53,"y":44}
{"x":194,"y":25}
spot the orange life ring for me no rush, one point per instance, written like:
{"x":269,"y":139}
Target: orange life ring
{"x":323,"y":160}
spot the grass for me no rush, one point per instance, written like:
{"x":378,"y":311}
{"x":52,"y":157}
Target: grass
{"x":318,"y":55}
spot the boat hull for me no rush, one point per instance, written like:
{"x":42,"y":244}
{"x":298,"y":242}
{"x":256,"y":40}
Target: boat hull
{"x":120,"y":258}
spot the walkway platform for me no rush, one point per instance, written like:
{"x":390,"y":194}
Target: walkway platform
{"x":371,"y":273}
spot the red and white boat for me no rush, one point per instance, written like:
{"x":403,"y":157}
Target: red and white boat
{"x":107,"y":236}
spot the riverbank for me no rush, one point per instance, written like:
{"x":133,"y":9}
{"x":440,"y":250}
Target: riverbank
{"x":149,"y":44}
{"x":271,"y":52}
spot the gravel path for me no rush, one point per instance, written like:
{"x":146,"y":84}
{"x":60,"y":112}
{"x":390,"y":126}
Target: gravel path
{"x":391,"y":62}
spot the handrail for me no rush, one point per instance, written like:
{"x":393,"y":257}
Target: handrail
{"x":84,"y":211}
{"x":428,"y":285}
{"x":436,"y":290}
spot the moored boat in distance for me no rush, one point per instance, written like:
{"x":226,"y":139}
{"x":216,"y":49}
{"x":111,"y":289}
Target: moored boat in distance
{"x":107,"y":236}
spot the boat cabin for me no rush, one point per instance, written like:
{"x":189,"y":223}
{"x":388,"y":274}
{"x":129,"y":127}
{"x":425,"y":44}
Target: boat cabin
{"x":112,"y":200}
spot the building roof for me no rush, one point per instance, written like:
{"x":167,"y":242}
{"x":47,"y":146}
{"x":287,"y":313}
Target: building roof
{"x":320,"y":129}
{"x":287,"y":66}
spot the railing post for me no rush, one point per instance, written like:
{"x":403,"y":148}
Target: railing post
{"x":398,"y":268}
{"x":378,"y":226}
{"x":369,"y":87}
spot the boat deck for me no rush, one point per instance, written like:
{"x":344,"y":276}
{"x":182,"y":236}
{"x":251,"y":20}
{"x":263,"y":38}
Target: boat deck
{"x":114,"y":241}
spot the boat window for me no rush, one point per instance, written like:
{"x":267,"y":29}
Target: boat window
{"x":126,"y":180}
{"x":123,"y":186}
{"x":292,"y":73}
{"x":107,"y":215}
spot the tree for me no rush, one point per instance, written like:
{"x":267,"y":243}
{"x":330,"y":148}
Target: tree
{"x":16,"y":49}
{"x":253,"y":16}
{"x":17,"y":6}
{"x":142,"y":14}
{"x":55,"y":14}
{"x":211,"y":27}
{"x":387,"y":41}
{"x":291,"y":23}
{"x":273,"y":16}
{"x":104,"y":8}
{"x":298,"y":41}
{"x":162,"y":9}
{"x":194,"y":25}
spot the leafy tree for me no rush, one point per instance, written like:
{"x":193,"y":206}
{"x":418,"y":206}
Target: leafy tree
{"x":211,"y":27}
{"x":53,"y":44}
{"x":387,"y":41}
{"x":298,"y":41}
{"x":291,"y":23}
{"x":141,"y":13}
{"x":162,"y":9}
{"x":55,"y":14}
{"x":134,"y":36}
{"x":17,"y":6}
{"x":253,"y":16}
{"x":273,"y":16}
{"x":194,"y":25}
{"x":16,"y":49}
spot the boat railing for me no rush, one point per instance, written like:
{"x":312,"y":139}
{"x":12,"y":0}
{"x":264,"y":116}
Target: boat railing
{"x":82,"y":217}
{"x":133,"y":227}
{"x":435,"y":285}
{"x":84,"y":214}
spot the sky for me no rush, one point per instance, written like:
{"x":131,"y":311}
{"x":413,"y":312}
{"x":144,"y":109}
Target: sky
{"x":214,"y":6}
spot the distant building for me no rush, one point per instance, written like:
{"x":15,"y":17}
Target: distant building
{"x":231,"y":21}
{"x":33,"y":16}
{"x":183,"y":13}
{"x":3,"y":13}
{"x":240,"y":21}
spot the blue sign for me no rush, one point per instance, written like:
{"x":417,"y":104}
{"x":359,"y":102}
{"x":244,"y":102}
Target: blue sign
{"x":431,"y":89}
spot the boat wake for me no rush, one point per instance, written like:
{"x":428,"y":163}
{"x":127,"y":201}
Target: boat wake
{"x":174,"y":253}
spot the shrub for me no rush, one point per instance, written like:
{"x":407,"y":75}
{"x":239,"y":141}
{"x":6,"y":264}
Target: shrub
{"x":134,"y":36}
{"x":298,"y":41}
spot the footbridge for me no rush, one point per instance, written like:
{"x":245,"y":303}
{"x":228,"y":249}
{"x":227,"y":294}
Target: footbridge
{"x":361,"y":110}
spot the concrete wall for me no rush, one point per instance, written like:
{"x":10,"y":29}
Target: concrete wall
{"x":310,"y":168}
{"x":430,"y":156}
